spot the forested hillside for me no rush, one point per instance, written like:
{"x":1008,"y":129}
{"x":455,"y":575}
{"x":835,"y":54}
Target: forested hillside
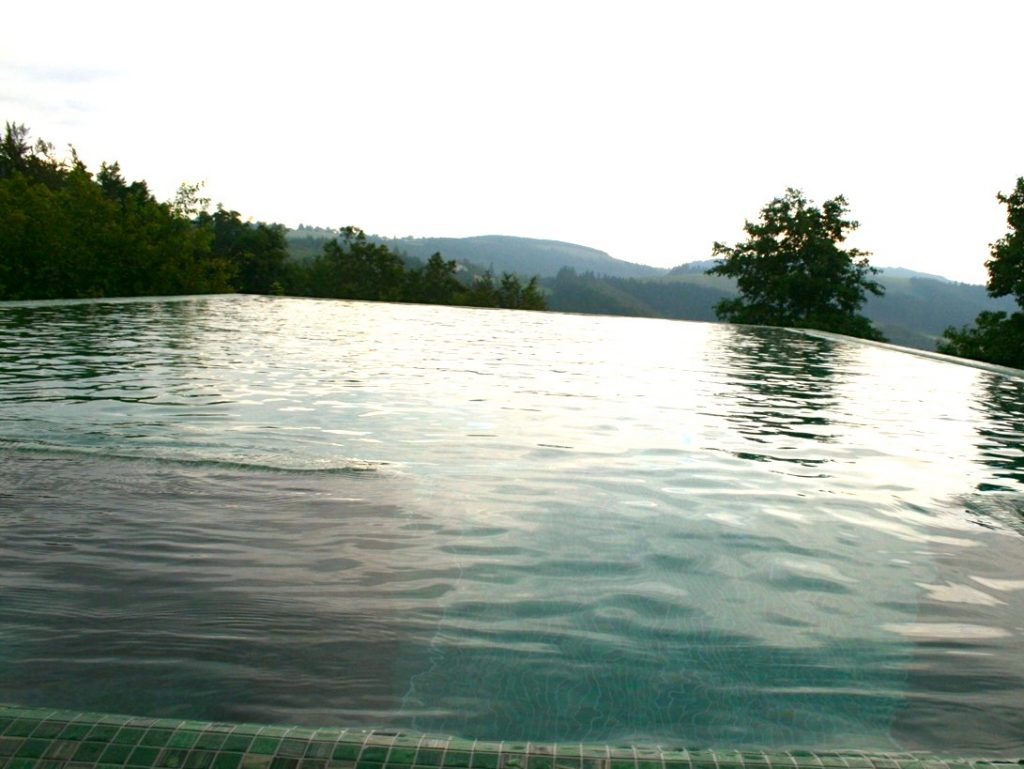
{"x":68,"y":233}
{"x":914,"y":311}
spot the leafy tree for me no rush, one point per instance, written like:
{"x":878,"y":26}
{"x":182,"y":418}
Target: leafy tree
{"x":435,"y":283}
{"x":997,"y":337}
{"x":64,"y":233}
{"x":483,"y":292}
{"x":509,"y":293}
{"x":34,"y":161}
{"x":354,"y":267}
{"x":256,"y":252}
{"x":792,"y":271}
{"x":67,"y":233}
{"x":994,"y":338}
{"x":1006,"y":267}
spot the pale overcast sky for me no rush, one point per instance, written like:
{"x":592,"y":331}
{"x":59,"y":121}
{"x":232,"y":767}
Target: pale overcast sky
{"x":645,"y":129}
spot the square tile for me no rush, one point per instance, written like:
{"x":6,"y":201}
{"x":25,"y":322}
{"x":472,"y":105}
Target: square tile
{"x":457,"y":759}
{"x":292,"y":748}
{"x":211,"y":740}
{"x":116,"y":753}
{"x":129,"y":735}
{"x":102,"y":733}
{"x":199,"y":759}
{"x":265,"y":745}
{"x":401,"y":756}
{"x":183,"y":738}
{"x":21,"y":728}
{"x":49,"y":729}
{"x":141,"y":756}
{"x":485,"y":760}
{"x":227,"y":760}
{"x":172,"y":758}
{"x":256,"y":761}
{"x":89,"y":751}
{"x":156,"y":738}
{"x":319,"y":749}
{"x":429,"y":757}
{"x":346,"y":751}
{"x":238,"y":743}
{"x":61,"y":750}
{"x":32,"y":748}
{"x":373,"y":754}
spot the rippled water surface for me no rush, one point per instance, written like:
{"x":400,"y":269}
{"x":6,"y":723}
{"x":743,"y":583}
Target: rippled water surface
{"x":508,"y":525}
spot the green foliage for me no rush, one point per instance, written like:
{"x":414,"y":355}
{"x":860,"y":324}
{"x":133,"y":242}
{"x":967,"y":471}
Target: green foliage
{"x":435,"y":283}
{"x":355,"y":266}
{"x":791,"y":270}
{"x":509,"y":293}
{"x":1006,"y":267}
{"x":994,"y":338}
{"x":256,"y":252}
{"x":998,"y":337}
{"x":65,"y":233}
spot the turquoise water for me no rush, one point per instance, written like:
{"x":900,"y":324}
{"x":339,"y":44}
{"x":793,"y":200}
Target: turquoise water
{"x":508,"y":525}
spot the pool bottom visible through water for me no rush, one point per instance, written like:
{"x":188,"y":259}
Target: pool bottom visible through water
{"x":527,"y":529}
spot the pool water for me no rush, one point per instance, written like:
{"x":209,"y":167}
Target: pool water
{"x":508,"y":525}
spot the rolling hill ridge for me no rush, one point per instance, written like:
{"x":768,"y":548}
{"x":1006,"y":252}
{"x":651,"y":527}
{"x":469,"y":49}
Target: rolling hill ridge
{"x":915,"y":310}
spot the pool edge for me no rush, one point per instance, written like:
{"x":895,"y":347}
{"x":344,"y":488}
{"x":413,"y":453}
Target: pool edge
{"x":41,"y":738}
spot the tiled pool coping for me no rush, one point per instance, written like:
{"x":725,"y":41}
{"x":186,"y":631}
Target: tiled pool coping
{"x":33,"y":738}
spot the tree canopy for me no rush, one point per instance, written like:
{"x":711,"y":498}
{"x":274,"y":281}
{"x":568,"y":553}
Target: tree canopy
{"x":792,"y":271}
{"x":997,"y":337}
{"x":66,"y":233}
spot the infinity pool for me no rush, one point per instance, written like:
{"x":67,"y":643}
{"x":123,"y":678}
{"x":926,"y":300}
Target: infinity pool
{"x":508,"y":525}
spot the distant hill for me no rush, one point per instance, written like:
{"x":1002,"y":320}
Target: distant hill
{"x":524,"y":256}
{"x":498,"y":253}
{"x":903,"y":272}
{"x":916,"y":309}
{"x":913,"y":312}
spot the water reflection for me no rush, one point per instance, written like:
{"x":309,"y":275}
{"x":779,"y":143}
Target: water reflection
{"x":782,"y":393}
{"x":1001,"y":432}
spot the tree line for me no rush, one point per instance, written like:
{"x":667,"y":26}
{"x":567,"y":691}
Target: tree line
{"x":68,"y":233}
{"x":793,"y":271}
{"x":65,"y":233}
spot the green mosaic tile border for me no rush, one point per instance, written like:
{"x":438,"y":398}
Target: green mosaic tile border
{"x":32,"y":738}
